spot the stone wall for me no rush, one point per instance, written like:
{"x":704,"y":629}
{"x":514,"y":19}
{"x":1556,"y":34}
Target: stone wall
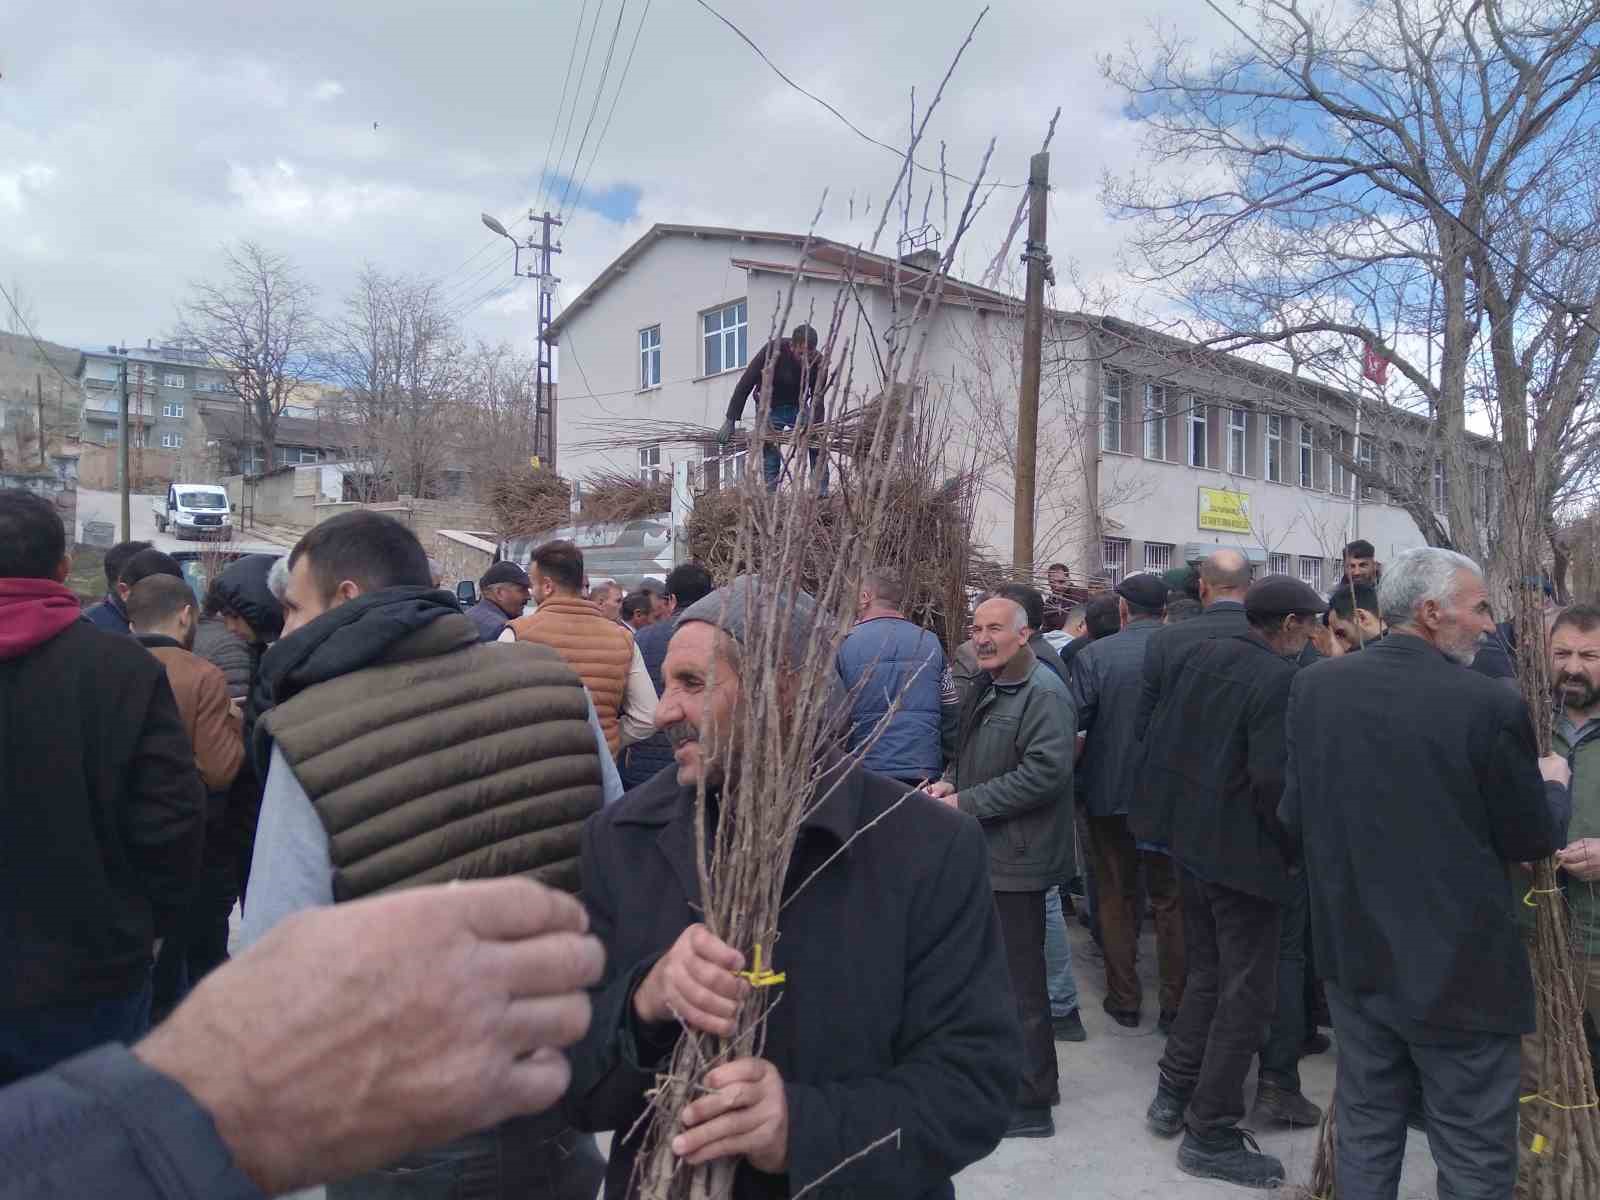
{"x":426,"y":518}
{"x":150,"y":470}
{"x":461,"y":556}
{"x":58,"y":484}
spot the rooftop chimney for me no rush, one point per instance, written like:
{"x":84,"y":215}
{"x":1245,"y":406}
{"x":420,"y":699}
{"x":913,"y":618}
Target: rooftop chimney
{"x":926,"y":259}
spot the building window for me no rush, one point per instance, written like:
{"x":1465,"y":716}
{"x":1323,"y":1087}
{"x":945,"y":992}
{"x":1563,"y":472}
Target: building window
{"x":1238,"y":432}
{"x":110,"y":436}
{"x":650,"y":357}
{"x":172,"y":441}
{"x":1277,"y":564}
{"x":1307,"y":456}
{"x":1341,"y":453}
{"x":1441,"y":493}
{"x":1116,"y":556}
{"x":1275,"y":451}
{"x":1158,"y":557}
{"x":293,"y":456}
{"x":650,"y":463}
{"x":172,"y":381}
{"x":725,"y":331}
{"x":1113,"y":391}
{"x":1197,"y":432}
{"x":1311,"y":571}
{"x":172,"y":410}
{"x":1364,"y":460}
{"x":1155,"y":422}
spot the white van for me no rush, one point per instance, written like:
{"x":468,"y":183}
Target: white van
{"x":198,"y":510}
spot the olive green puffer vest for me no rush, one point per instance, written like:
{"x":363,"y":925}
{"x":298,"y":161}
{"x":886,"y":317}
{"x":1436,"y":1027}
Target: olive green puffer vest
{"x":471,"y":764}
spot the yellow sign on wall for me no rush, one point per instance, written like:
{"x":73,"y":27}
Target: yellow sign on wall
{"x":1224,"y":511}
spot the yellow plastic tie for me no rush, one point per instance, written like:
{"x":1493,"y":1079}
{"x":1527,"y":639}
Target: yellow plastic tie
{"x":1539,"y":1144}
{"x":1532,"y":892}
{"x":758,"y":977}
{"x":1543,"y":1099}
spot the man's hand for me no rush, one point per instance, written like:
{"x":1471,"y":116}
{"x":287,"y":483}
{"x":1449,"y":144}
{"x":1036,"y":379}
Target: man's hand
{"x":694,"y":982}
{"x":351,"y":1035}
{"x":1581,"y":859}
{"x":939,"y":789}
{"x":1555,"y":769}
{"x":745,"y":1116}
{"x":725,"y":433}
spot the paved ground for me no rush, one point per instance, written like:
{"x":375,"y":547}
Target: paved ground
{"x":1101,"y":1147}
{"x":107,"y":506}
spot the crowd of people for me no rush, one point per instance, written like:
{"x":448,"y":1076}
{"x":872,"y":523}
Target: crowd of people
{"x":1323,"y":806}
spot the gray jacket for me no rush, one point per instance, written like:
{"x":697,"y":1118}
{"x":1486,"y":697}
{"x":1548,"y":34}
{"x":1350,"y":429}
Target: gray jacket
{"x":1107,"y":677}
{"x":1014,"y":773}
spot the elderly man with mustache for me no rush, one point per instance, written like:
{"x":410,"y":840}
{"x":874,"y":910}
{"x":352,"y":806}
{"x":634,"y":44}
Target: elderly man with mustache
{"x":895,"y":1021}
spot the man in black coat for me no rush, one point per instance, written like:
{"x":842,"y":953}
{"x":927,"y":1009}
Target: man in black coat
{"x":102,"y":816}
{"x":1425,"y":968}
{"x":896,"y":1016}
{"x":1215,"y":755}
{"x":1106,"y":689}
{"x":1224,"y":579}
{"x":687,"y":583}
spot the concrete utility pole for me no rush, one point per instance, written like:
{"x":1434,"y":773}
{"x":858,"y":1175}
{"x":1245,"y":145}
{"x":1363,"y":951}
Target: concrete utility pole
{"x":38,"y":392}
{"x":1038,"y":261}
{"x":544,"y":426}
{"x":122,"y":448}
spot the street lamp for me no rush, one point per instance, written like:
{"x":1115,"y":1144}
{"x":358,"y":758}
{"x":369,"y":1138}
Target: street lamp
{"x":495,"y":226}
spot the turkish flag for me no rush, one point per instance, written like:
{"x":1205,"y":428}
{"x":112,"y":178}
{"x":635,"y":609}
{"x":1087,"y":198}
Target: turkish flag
{"x":1375,"y":366}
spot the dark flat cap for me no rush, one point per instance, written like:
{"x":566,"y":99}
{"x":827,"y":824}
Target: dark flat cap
{"x":1283,"y":596}
{"x":505,"y":572}
{"x":1145,"y":590}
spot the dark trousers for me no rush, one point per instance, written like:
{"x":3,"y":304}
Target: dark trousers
{"x":198,"y":944}
{"x":782,"y":420}
{"x":1022,"y":927}
{"x":1469,"y":1104}
{"x":1116,"y":874}
{"x":1232,"y":943}
{"x":1280,"y":1057}
{"x":34,"y":1040}
{"x":524,"y":1157}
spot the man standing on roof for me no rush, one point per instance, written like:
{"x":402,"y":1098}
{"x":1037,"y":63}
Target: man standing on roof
{"x":799,"y":379}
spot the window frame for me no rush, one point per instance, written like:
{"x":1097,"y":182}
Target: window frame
{"x":740,"y":332}
{"x":1313,"y":583}
{"x":1118,"y":569}
{"x":649,"y":467}
{"x":1155,"y":565}
{"x":1286,"y":561}
{"x":1199,"y":434}
{"x":1111,"y":427}
{"x":1274,"y":455}
{"x":1306,"y":457}
{"x":173,"y":409}
{"x":1155,"y":421}
{"x":170,"y":380}
{"x":649,"y":356}
{"x":172,"y":441}
{"x":1242,"y":429}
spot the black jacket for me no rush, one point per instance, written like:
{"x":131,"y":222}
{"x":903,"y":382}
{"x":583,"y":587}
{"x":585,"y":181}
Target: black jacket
{"x":1168,"y":645}
{"x":104,"y":1124}
{"x":102,"y":817}
{"x":792,"y":383}
{"x":1413,"y":784}
{"x":1106,"y":688}
{"x":897,"y":1012}
{"x":1214,"y":766}
{"x":214,"y":643}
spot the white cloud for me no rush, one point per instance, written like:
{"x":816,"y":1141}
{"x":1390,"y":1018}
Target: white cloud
{"x":328,"y":89}
{"x":16,"y":186}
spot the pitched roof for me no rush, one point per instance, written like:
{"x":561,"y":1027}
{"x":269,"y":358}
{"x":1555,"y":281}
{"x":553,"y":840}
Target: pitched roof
{"x":227,"y":424}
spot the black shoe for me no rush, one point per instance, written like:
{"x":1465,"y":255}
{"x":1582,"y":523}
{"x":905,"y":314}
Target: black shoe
{"x":1315,"y":1043}
{"x":1167,"y":1019}
{"x":1031,"y":1123}
{"x":1164,"y":1117}
{"x":1129,"y":1020}
{"x":1230,"y":1155}
{"x":1279,"y":1106}
{"x":1069,"y":1028}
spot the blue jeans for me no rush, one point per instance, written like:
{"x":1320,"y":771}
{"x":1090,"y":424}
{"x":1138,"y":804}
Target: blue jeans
{"x":35,"y":1040}
{"x":1058,"y":958}
{"x":781,"y":420}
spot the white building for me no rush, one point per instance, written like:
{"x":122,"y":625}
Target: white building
{"x":1150,"y":451}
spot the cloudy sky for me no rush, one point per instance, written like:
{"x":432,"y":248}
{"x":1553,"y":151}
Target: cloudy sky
{"x":137,"y":138}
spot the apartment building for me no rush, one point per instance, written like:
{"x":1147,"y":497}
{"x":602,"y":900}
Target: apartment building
{"x":1151,"y":451}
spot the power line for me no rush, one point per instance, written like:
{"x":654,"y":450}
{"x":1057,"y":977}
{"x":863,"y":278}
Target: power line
{"x":897,"y":151}
{"x":572,"y":113}
{"x":479,"y":253}
{"x":572,"y":56}
{"x":38,"y":345}
{"x":594,"y":108}
{"x":606,"y":128}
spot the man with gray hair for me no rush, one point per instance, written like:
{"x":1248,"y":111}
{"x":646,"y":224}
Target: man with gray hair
{"x":1013,"y":772}
{"x":1406,"y":870}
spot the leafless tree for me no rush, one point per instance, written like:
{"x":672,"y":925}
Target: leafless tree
{"x":1412,"y":177}
{"x":400,"y":358}
{"x":256,"y":321}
